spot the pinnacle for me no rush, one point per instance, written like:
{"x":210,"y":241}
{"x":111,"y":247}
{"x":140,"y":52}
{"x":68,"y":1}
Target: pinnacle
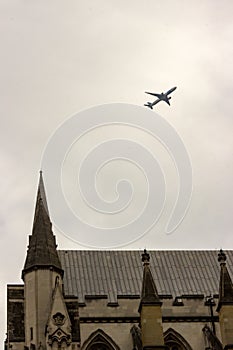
{"x":149,"y":293}
{"x":42,"y":251}
{"x":225,"y":285}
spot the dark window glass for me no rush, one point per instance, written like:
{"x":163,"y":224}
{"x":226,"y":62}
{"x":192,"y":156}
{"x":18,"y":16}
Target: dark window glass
{"x":99,"y":346}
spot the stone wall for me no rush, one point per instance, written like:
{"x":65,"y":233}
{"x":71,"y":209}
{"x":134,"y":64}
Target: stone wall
{"x":188,"y":319}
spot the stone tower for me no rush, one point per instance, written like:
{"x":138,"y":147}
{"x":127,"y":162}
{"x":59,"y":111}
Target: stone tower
{"x":41,"y":273}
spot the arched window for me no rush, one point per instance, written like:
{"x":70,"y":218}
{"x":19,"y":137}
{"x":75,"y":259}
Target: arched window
{"x":174,"y":346}
{"x":99,"y":340}
{"x":174,"y":341}
{"x":99,"y":346}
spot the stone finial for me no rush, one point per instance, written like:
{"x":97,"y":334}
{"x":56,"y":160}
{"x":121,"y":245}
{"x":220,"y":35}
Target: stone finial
{"x":222,"y":257}
{"x":145,"y":257}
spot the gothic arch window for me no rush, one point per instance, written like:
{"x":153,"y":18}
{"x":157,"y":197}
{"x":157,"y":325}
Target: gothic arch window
{"x":99,"y":340}
{"x":99,"y":346}
{"x":174,"y":341}
{"x":174,"y":346}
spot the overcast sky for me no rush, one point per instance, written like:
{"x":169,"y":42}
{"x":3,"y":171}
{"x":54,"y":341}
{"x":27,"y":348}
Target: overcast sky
{"x":60,"y":57}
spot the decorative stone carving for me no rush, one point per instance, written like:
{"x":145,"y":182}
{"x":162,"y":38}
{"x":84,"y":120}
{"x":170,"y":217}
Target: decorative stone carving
{"x":59,"y":337}
{"x":59,"y":319}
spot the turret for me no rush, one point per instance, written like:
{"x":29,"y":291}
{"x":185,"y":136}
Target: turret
{"x":41,"y":270}
{"x":150,"y":310}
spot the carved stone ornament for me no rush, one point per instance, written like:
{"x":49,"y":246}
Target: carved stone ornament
{"x":59,"y":336}
{"x":58,"y":319}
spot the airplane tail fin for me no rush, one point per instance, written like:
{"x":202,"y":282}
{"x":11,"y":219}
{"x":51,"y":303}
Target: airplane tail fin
{"x":149,"y":105}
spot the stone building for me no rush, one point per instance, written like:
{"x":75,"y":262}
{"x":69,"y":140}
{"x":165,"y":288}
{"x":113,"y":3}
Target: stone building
{"x":111,"y":300}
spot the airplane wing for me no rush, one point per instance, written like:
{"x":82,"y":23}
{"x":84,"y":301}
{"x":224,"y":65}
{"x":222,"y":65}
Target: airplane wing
{"x":170,"y":91}
{"x":151,"y":93}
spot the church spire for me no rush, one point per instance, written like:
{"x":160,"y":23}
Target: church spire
{"x":150,"y":310}
{"x":42,"y":251}
{"x":149,"y":293}
{"x":225,"y":285}
{"x":41,"y":193}
{"x":225,"y":304}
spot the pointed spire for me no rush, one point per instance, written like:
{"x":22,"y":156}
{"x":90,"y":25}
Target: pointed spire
{"x":150,"y":310}
{"x":41,"y":194}
{"x":42,"y":244}
{"x":225,"y":285}
{"x":149,"y":295}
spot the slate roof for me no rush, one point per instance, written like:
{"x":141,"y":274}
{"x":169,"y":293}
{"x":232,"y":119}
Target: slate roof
{"x":119,"y":273}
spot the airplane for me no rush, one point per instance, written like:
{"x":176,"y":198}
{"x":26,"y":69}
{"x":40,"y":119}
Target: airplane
{"x":161,"y":97}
